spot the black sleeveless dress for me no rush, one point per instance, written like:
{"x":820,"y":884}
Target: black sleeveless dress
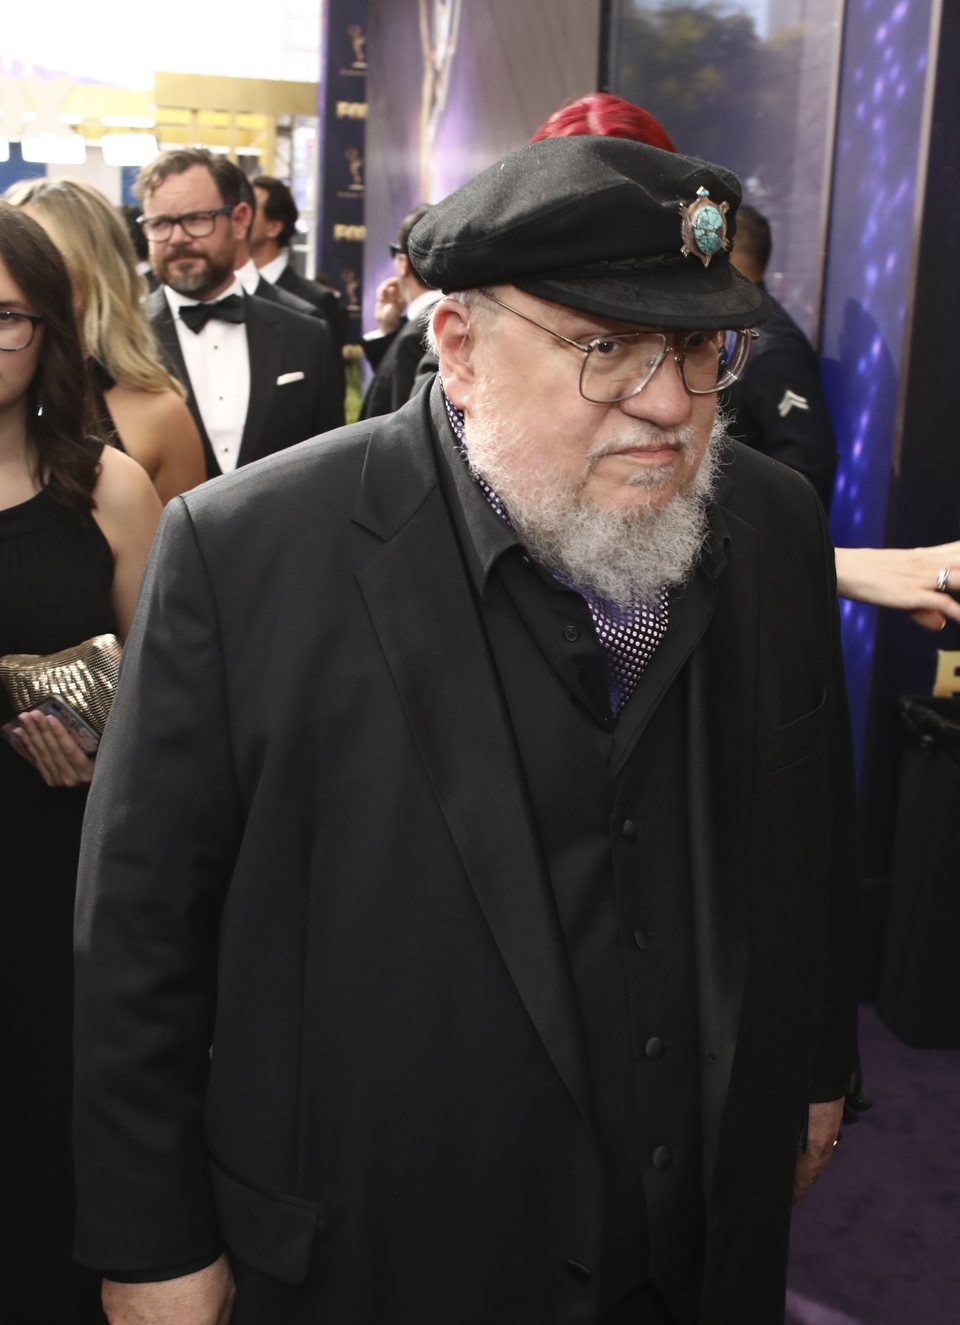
{"x":56,"y":569}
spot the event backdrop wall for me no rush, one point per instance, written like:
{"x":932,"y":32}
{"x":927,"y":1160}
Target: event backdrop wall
{"x":454,"y":85}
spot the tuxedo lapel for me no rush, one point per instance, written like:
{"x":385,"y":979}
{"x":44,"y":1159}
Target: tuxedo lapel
{"x":721,"y":726}
{"x":164,"y":328}
{"x":265,"y":347}
{"x":420,"y":599}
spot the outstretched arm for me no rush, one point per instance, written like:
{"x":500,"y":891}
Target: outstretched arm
{"x":904,"y":578}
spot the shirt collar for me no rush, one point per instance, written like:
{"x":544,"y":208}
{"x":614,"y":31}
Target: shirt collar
{"x":421,"y":304}
{"x":249,"y":276}
{"x":483,"y":535}
{"x":272,"y":271}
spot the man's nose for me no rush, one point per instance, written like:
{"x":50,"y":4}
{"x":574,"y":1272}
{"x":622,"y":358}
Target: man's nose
{"x":664,"y":400}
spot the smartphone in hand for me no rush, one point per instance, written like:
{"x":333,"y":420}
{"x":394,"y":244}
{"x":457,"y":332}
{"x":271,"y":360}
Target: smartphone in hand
{"x":85,"y":735}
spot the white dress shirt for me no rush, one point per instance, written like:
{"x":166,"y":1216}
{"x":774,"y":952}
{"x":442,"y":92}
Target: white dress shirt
{"x":218,"y":364}
{"x":272,"y":271}
{"x":249,"y":276}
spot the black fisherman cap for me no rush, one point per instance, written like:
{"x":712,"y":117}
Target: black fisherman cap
{"x":603,"y":225}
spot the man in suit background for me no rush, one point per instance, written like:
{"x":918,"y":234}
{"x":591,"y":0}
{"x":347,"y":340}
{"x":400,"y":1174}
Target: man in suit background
{"x":255,"y":283}
{"x":778,"y":405}
{"x":260,"y":377}
{"x":464,"y":922}
{"x":396,"y":348}
{"x":274,"y":225}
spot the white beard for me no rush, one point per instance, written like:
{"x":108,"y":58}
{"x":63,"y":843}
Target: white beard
{"x":623,"y":557}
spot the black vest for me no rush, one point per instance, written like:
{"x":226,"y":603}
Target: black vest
{"x":610,"y":808}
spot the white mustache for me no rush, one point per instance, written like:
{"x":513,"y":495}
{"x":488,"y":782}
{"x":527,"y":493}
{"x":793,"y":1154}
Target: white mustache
{"x":646,"y":440}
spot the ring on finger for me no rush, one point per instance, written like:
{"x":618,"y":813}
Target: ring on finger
{"x":943,"y":579}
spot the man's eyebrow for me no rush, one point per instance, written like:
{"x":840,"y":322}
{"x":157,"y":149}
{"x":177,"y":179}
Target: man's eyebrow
{"x":175,"y":216}
{"x":12,"y":304}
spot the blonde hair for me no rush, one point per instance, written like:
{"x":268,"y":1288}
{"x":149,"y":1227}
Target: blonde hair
{"x":108,"y":290}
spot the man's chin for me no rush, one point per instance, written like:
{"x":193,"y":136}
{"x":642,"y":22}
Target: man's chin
{"x":190,"y":280}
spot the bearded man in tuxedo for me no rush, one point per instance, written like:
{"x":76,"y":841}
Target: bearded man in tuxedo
{"x":259,"y":376}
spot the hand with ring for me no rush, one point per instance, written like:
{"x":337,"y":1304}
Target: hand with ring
{"x":916,"y":580}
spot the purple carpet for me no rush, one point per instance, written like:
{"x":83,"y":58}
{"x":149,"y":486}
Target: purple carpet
{"x":877,"y":1242}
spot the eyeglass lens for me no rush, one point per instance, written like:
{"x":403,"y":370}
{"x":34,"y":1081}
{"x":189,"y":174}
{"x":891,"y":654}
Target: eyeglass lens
{"x":195,"y":224}
{"x":617,"y":367}
{"x":16,"y":330}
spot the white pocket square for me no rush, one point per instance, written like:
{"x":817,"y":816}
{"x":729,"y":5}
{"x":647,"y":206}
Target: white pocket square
{"x":284,"y":378}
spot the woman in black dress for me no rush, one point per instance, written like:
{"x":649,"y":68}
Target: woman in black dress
{"x":76,"y":521}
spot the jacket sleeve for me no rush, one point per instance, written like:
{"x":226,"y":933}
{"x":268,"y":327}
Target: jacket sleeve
{"x":837,"y":1056}
{"x":163,"y":823}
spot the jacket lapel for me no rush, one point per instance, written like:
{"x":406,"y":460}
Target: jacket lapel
{"x":265,"y":347}
{"x":437,"y":652}
{"x":722,"y":719}
{"x":164,"y":328}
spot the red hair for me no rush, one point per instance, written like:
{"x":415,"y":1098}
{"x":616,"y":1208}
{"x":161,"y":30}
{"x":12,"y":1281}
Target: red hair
{"x":601,"y":115}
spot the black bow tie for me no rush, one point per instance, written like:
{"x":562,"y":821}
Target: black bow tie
{"x":196,"y":316}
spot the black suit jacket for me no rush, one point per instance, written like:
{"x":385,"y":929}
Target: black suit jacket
{"x":395,"y":359}
{"x":274,"y":295}
{"x":321,"y":296}
{"x":280,"y":341}
{"x":333,"y":366}
{"x":309,"y":843}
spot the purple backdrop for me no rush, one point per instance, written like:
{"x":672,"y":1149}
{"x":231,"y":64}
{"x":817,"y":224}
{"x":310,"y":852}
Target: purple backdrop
{"x":453,"y":87}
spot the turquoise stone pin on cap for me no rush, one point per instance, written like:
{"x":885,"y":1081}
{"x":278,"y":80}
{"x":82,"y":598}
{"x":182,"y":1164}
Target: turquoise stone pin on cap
{"x":704,"y":227}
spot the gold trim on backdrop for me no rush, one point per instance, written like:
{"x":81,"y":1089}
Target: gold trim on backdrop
{"x":238,"y":114}
{"x":947,"y":682}
{"x":255,"y":95}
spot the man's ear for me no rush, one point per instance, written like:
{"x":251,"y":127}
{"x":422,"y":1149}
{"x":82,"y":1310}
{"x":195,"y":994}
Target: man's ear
{"x":241,"y":219}
{"x":272,"y":229}
{"x":455,"y":350}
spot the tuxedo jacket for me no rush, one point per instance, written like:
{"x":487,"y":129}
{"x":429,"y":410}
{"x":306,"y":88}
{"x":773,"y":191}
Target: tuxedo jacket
{"x":274,"y":295}
{"x":309,"y":845}
{"x":280,"y":342}
{"x":327,"y":301}
{"x":333,"y":366}
{"x":394,"y":359}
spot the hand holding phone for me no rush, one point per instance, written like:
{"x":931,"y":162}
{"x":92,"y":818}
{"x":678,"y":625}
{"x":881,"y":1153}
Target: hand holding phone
{"x":56,"y":740}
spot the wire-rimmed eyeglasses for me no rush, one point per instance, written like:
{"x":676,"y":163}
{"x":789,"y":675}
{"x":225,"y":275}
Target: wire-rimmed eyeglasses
{"x":17,"y":330}
{"x":619,"y":365}
{"x":195,"y":224}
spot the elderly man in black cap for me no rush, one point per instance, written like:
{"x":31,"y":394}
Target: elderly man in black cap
{"x":464,"y":929}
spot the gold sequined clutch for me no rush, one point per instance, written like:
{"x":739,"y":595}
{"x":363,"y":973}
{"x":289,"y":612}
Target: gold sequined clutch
{"x":84,"y":676}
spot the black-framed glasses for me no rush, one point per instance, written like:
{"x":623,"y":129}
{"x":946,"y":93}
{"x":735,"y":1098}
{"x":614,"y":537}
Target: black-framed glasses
{"x":195,"y":224}
{"x":17,"y":330}
{"x":619,"y":365}
{"x":395,"y":250}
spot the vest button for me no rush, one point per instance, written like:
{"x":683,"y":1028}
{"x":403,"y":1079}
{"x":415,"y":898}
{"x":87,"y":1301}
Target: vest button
{"x":655,"y":1047}
{"x":571,"y":634}
{"x":661,"y":1158}
{"x":641,"y":938}
{"x":629,"y":830}
{"x":578,"y":1271}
